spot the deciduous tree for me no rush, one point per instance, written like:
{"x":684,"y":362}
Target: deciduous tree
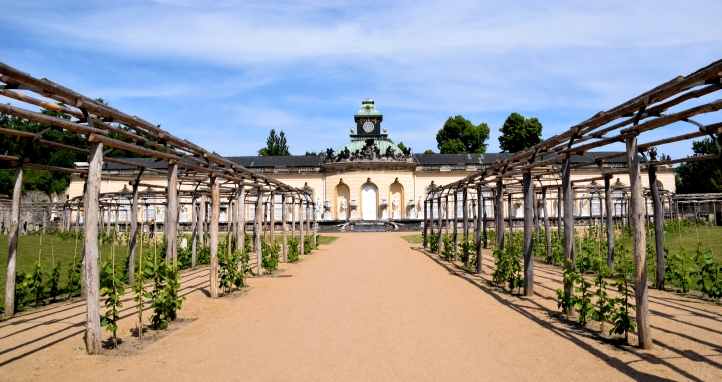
{"x":519,"y":133}
{"x":701,"y":176}
{"x":276,"y":145}
{"x":459,"y":135}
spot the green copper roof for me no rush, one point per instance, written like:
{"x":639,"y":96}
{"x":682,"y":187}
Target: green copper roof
{"x":368,"y":109}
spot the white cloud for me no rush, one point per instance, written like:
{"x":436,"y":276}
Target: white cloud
{"x":424,"y":59}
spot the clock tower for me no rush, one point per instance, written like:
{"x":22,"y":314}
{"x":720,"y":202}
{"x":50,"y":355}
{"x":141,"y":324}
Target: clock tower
{"x":368,"y":122}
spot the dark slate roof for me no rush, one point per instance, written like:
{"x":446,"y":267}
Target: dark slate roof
{"x":145,"y":162}
{"x":278,"y":161}
{"x":313,"y":161}
{"x":447,"y":159}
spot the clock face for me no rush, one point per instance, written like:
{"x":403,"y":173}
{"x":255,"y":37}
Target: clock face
{"x":368,"y":126}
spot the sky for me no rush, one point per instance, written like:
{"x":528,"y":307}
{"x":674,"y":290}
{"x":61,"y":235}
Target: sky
{"x":223,"y":73}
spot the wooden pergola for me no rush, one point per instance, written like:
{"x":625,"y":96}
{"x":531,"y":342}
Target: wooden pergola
{"x":547,"y":165}
{"x":194,"y":175}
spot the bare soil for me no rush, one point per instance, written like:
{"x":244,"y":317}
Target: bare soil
{"x":367,"y":307}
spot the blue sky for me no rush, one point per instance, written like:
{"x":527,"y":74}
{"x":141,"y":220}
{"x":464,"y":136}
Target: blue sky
{"x":223,"y":73}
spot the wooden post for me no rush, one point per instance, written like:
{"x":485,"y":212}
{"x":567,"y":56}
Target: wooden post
{"x":465,"y":224}
{"x":301,"y":221}
{"x":480,"y":220}
{"x":314,"y":225}
{"x":609,"y":206}
{"x":241,"y":230}
{"x":229,"y":223}
{"x":510,"y":213}
{"x":309,"y":217}
{"x":133,"y":236}
{"x":272,"y":216}
{"x":257,"y":233}
{"x":13,"y":236}
{"x":294,"y":215}
{"x":559,"y":212}
{"x":528,"y":185}
{"x":639,"y":244}
{"x":568,"y":222}
{"x":264,"y":230}
{"x":547,"y":225}
{"x":484,"y":223}
{"x":425,"y":232}
{"x":215,"y":215}
{"x":202,"y":221}
{"x":499,"y":214}
{"x":455,"y":236}
{"x":194,"y":231}
{"x":284,"y":229}
{"x":658,"y":222}
{"x":171,"y":215}
{"x":92,"y":272}
{"x":440,"y":225}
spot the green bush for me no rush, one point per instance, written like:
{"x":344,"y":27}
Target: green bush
{"x":163,"y":296}
{"x":293,"y":249}
{"x":508,"y":264}
{"x":681,"y":269}
{"x":112,"y":289}
{"x":54,"y":289}
{"x":448,"y":253}
{"x":74,"y":272}
{"x":232,"y":268}
{"x":434,"y":242}
{"x":269,"y":255}
{"x":708,"y":273}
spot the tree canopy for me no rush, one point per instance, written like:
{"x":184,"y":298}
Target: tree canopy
{"x":404,"y":149}
{"x":276,"y":145}
{"x":519,"y":133}
{"x":459,"y":135}
{"x":41,"y":180}
{"x":701,"y":176}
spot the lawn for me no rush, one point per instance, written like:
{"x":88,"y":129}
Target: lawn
{"x":322,"y":239}
{"x":64,"y":250}
{"x":55,"y":249}
{"x":687,"y":237}
{"x":413,"y":239}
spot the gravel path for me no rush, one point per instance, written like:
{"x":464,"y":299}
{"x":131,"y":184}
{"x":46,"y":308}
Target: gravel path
{"x":367,"y":307}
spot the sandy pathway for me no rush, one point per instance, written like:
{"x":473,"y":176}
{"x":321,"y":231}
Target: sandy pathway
{"x":367,"y":307}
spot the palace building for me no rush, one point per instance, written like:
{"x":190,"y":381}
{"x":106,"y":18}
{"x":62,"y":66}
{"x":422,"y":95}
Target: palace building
{"x":371,"y":178}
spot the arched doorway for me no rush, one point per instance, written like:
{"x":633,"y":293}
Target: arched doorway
{"x":369,"y":201}
{"x":396,"y":202}
{"x":343,"y":197}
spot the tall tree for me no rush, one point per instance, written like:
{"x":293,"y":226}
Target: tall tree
{"x":701,"y":176}
{"x":41,"y":180}
{"x":519,"y":133}
{"x":404,"y":149}
{"x":276,"y":145}
{"x":459,"y":135}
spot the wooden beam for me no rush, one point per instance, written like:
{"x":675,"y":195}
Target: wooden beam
{"x":499,"y":214}
{"x":13,"y":236}
{"x":257,"y":233}
{"x":133,"y":235}
{"x":658,"y":211}
{"x":609,"y":217}
{"x":480,"y":221}
{"x":284,"y":229}
{"x":568,"y":225}
{"x":215,"y":216}
{"x":170,"y":224}
{"x":547,"y":225}
{"x":529,"y":206}
{"x":93,"y":335}
{"x":639,"y":243}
